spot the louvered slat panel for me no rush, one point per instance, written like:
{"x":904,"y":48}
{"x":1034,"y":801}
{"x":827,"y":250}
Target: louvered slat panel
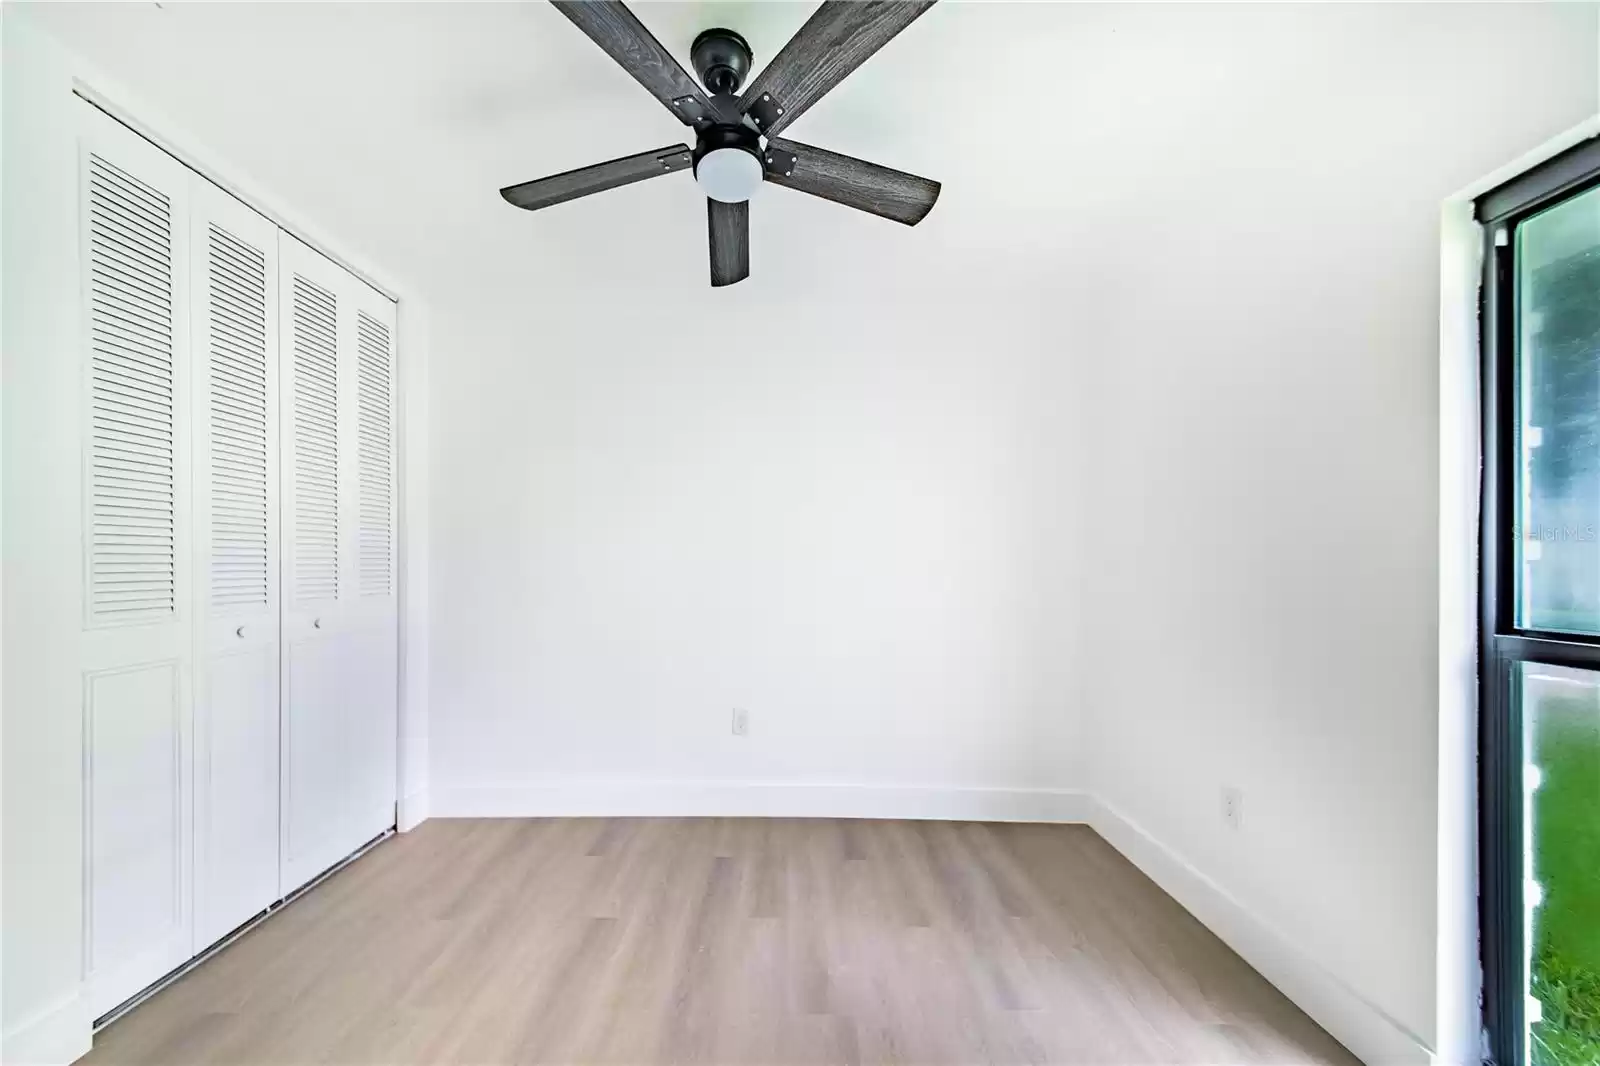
{"x":374,"y":438}
{"x":132,"y":535}
{"x":236,"y":276}
{"x":316,"y":443}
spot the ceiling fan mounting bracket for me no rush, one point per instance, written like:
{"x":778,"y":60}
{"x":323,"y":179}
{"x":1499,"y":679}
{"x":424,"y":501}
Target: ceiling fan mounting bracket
{"x":778,"y":161}
{"x":721,"y":60}
{"x":765,"y":110}
{"x":692,"y":110}
{"x":674,"y":160}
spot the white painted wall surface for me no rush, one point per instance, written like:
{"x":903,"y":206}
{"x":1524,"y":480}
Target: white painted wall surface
{"x":850,"y":516}
{"x":1267,"y":471}
{"x":412,"y":350}
{"x":42,"y":1015}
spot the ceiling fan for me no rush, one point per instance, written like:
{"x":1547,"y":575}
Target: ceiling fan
{"x":737,"y":146}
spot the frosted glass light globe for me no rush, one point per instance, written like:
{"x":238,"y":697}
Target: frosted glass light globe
{"x":731,"y":175}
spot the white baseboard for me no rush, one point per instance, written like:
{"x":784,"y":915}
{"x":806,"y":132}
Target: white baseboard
{"x":1374,"y":1036}
{"x":730,"y":799}
{"x":411,"y":811}
{"x":54,"y":1037}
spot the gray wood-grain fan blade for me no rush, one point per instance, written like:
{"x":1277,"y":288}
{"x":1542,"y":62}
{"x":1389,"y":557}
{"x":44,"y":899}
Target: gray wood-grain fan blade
{"x":855,"y":182}
{"x":837,"y":38}
{"x":730,"y":241}
{"x":614,"y":28}
{"x":542,"y":192}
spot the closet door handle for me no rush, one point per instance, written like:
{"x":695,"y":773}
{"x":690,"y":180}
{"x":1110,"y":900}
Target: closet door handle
{"x":316,"y":623}
{"x":239,"y":632}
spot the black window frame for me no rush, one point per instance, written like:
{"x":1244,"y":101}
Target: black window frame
{"x":1503,"y":645}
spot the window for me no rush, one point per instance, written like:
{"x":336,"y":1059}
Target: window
{"x":1540,"y":589}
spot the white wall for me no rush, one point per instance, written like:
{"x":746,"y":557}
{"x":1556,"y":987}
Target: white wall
{"x":1268,"y":472}
{"x":42,"y":1015}
{"x":413,"y":348}
{"x":851,"y":515}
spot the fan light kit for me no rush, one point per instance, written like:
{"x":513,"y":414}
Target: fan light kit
{"x":731,"y":175}
{"x":737,"y":146}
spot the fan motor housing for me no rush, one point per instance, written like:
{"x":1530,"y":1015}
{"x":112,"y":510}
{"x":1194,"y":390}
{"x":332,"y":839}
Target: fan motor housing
{"x":722,"y":135}
{"x":721,"y":59}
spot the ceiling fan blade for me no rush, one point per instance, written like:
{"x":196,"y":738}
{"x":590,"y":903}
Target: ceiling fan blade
{"x":837,"y":38}
{"x":614,"y":28}
{"x":542,"y":192}
{"x":850,"y":181}
{"x":730,"y":241}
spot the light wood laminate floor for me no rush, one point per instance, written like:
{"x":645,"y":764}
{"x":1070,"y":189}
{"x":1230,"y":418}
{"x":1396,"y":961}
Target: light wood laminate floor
{"x":642,"y":941}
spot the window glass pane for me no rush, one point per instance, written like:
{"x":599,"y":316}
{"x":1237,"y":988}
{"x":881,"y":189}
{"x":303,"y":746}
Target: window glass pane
{"x":1558,"y":425}
{"x":1561,"y":720}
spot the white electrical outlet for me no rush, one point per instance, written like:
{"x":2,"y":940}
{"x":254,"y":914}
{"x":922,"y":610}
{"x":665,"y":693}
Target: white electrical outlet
{"x":1232,"y":807}
{"x":741,"y":722}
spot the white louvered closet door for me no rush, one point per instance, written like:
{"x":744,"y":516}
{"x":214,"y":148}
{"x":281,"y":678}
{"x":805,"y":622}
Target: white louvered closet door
{"x":234,"y":272}
{"x":374,"y":597}
{"x":338,"y":674}
{"x":137,"y":611}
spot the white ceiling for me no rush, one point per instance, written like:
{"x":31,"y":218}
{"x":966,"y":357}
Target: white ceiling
{"x":391,"y":126}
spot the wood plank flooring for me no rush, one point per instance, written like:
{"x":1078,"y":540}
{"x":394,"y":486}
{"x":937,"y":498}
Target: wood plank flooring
{"x":643,"y":941}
